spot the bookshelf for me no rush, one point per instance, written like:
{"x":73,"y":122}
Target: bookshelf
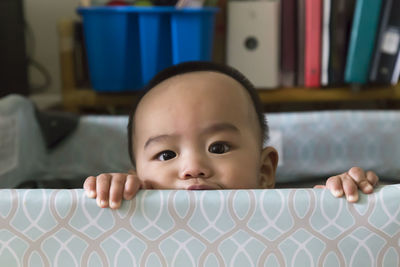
{"x":367,"y":93}
{"x":75,"y":98}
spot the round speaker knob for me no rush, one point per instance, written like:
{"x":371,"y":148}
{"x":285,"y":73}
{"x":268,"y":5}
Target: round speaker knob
{"x":251,"y":43}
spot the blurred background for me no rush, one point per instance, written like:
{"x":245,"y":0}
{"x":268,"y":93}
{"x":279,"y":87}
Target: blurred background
{"x":295,"y":66}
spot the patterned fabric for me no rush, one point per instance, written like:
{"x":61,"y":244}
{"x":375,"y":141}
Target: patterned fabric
{"x":22,"y":149}
{"x":285,"y":227}
{"x":98,"y":145}
{"x":311,"y":145}
{"x":320,"y":144}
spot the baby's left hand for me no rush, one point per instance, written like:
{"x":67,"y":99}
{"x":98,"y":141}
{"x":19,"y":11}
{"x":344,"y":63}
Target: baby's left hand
{"x":349,"y":182}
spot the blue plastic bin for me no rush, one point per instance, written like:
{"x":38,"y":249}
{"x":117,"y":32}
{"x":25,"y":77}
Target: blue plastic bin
{"x":127,"y":46}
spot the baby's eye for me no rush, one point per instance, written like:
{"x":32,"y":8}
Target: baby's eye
{"x":166,"y":155}
{"x":219,"y":148}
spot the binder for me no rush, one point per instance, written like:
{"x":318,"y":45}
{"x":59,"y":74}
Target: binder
{"x":385,"y":66}
{"x":340,"y":26}
{"x":312,"y":56}
{"x":362,"y":40}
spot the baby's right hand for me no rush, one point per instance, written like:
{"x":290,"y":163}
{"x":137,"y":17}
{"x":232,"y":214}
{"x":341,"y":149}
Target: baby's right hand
{"x":109,"y":188}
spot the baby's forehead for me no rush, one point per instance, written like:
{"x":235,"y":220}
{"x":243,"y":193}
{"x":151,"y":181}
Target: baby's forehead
{"x":206,"y":77}
{"x":210,"y":83}
{"x":216,"y":92}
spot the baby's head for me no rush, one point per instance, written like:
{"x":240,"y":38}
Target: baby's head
{"x":200,"y":126}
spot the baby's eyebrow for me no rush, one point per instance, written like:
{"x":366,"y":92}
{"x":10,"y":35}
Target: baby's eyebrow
{"x":220,"y":127}
{"x":157,"y":138}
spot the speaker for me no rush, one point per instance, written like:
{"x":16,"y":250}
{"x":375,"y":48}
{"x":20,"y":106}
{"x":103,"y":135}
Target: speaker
{"x":253,"y":40}
{"x":13,"y":58}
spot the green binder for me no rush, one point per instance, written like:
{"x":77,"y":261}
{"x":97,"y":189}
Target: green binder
{"x":362,"y":40}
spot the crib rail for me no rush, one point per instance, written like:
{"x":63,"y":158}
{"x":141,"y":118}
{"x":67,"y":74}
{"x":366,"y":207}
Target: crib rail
{"x":281,"y":227}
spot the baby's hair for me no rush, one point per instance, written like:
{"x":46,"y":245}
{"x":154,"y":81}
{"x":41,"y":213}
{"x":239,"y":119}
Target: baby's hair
{"x":194,"y":66}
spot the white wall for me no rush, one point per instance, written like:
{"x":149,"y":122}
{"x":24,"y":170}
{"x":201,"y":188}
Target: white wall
{"x":42,"y":17}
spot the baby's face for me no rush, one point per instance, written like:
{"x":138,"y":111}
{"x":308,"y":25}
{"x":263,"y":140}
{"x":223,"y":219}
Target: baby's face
{"x":200,"y":131}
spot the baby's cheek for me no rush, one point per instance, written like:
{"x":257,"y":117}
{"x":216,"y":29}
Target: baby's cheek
{"x":241,"y":177}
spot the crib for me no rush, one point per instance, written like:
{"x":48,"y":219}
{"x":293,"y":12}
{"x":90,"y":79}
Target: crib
{"x":291,"y":226}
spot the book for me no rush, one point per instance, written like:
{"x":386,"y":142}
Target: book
{"x":385,"y":64}
{"x":325,"y":45}
{"x":362,"y":40}
{"x":219,"y":45}
{"x":340,"y":28}
{"x":300,"y":41}
{"x":312,"y":55}
{"x":288,"y":42}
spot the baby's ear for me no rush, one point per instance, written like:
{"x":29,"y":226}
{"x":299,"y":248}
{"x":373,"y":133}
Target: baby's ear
{"x":269,"y":163}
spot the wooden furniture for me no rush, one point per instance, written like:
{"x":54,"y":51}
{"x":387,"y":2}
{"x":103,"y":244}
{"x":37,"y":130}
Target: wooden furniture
{"x":75,"y":98}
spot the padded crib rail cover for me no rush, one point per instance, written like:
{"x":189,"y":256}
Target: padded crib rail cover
{"x":280,"y":227}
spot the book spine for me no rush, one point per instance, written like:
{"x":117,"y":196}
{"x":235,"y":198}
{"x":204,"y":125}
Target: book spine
{"x":325,"y":42}
{"x":362,"y":40}
{"x":387,"y":49}
{"x":396,"y":71}
{"x":300,"y":41}
{"x":288,"y":42}
{"x":312,"y":60}
{"x":340,"y":27}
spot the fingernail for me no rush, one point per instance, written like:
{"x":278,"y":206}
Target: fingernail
{"x":114,"y":205}
{"x":338,"y":193}
{"x":351,"y":198}
{"x":369,"y":187}
{"x":92,"y":194}
{"x":103,"y":203}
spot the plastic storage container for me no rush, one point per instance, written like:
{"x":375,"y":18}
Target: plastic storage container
{"x":127,"y":46}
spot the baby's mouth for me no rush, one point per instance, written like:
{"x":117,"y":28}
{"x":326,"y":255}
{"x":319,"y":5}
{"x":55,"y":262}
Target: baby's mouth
{"x":200,"y":187}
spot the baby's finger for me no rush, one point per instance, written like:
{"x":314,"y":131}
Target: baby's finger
{"x":349,"y":188}
{"x":334,"y":184}
{"x":103,"y":189}
{"x":360,"y":178}
{"x":116,"y":190}
{"x":90,"y":186}
{"x":132,"y":185}
{"x":372,"y":178}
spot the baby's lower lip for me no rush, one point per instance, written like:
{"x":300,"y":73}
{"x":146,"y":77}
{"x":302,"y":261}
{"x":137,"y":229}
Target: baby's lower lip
{"x":200,"y":187}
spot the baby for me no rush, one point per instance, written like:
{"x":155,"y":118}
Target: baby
{"x":200,"y":126}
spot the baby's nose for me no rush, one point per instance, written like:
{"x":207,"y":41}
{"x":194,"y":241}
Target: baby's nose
{"x":193,"y":174}
{"x":195,"y":168}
